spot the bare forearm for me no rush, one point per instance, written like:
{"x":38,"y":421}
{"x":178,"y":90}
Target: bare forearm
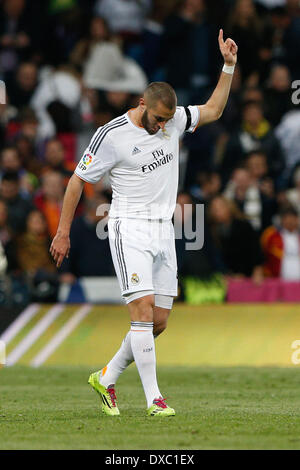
{"x":220,"y":95}
{"x":214,"y":107}
{"x":71,"y":199}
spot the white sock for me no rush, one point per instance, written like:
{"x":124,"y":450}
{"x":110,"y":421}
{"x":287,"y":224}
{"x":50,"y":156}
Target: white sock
{"x":143,"y":349}
{"x":121,"y":360}
{"x":118,"y":363}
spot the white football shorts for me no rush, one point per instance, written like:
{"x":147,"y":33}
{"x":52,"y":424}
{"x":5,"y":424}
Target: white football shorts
{"x":144,"y":256}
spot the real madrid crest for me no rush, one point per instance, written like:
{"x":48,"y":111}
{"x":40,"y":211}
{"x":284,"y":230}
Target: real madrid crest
{"x":135,"y":278}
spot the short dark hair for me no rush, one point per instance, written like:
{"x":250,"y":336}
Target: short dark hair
{"x":161,"y":91}
{"x":259,"y":151}
{"x":206,"y":176}
{"x":27,"y":114}
{"x":256,"y":103}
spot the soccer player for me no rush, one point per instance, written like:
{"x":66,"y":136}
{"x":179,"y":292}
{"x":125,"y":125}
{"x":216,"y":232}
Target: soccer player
{"x":140,"y":151}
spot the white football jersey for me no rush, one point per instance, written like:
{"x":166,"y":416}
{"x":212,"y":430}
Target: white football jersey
{"x":143,"y":168}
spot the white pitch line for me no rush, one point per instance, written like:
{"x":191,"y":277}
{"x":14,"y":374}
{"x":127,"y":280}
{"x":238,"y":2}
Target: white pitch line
{"x":60,"y":336}
{"x":34,"y":334}
{"x":19,"y":323}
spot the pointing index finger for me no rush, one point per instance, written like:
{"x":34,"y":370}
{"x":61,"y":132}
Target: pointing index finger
{"x":221,"y":40}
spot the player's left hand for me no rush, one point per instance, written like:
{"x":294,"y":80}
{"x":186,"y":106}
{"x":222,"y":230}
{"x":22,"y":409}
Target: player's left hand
{"x":228,"y":49}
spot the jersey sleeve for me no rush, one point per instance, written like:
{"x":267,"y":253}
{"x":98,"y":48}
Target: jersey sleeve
{"x":95,"y":163}
{"x":187,"y":118}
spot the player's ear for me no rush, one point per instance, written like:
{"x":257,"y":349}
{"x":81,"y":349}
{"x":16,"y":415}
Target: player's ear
{"x":142,"y":102}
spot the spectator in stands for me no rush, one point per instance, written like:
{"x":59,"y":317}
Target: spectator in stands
{"x":23,"y":86}
{"x":56,"y":101}
{"x":189,"y":68}
{"x":10,"y":161}
{"x":3,"y":261}
{"x":254,"y":133}
{"x":108,"y":69}
{"x":18,"y":207}
{"x":36,"y":273}
{"x":98,"y":33}
{"x":280,"y":20}
{"x":281,"y":247}
{"x":26,"y":150}
{"x":201,"y":147}
{"x":278,"y":94}
{"x":103,"y":63}
{"x":55,"y":159}
{"x":287,"y":132}
{"x":291,"y":39}
{"x":293,"y":194}
{"x":235,"y":239}
{"x":152,"y":37}
{"x":124,"y":18}
{"x":230,"y":118}
{"x":252,"y":94}
{"x":28,"y":126}
{"x":208,"y":185}
{"x":256,"y":164}
{"x":113,"y":103}
{"x":49,"y":199}
{"x":245,"y":191}
{"x":118,"y":102}
{"x":89,"y":255}
{"x":200,"y":263}
{"x":252,"y":35}
{"x":7,"y":239}
{"x":64,"y":25}
{"x":32,"y":247}
{"x":16,"y":30}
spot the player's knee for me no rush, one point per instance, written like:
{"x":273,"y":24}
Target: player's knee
{"x":144,"y":308}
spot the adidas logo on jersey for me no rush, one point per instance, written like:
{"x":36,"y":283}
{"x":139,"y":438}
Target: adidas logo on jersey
{"x":135,"y":151}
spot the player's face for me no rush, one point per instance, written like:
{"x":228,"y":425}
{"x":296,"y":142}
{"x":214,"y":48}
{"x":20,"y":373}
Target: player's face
{"x":156,"y":117}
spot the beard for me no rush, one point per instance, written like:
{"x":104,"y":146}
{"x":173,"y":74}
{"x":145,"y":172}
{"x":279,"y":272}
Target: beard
{"x":150,"y":128}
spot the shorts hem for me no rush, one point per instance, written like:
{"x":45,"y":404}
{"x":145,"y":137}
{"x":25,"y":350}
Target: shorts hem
{"x":172,"y":293}
{"x":134,"y":290}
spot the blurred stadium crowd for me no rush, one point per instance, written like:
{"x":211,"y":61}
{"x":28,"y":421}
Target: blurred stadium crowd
{"x":72,"y":65}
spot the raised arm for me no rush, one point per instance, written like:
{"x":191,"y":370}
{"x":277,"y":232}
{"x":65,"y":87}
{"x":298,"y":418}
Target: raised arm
{"x":60,"y":245}
{"x":213,"y":108}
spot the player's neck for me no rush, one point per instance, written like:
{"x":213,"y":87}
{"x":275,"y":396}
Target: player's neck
{"x":135,"y":114}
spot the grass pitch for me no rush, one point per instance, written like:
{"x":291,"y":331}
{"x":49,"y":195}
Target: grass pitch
{"x":217,"y":408}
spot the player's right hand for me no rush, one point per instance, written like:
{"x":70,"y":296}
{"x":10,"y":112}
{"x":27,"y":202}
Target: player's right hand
{"x":60,"y":248}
